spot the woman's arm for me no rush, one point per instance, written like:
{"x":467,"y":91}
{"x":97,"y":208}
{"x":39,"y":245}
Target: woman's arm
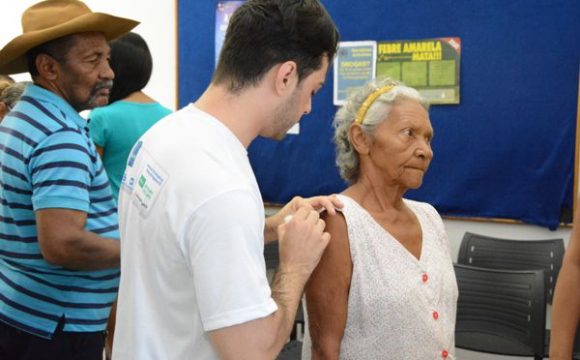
{"x":100,"y":150}
{"x":566,"y":304}
{"x":327,"y":292}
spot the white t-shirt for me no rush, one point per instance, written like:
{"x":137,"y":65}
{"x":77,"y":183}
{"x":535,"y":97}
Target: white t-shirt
{"x":192,"y":224}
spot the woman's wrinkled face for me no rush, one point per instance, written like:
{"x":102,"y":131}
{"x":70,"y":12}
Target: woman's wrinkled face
{"x":401,"y":145}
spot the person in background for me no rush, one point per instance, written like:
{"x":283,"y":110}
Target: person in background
{"x":9,"y":94}
{"x":566,"y":303}
{"x":59,"y":247}
{"x":115,"y":128}
{"x":6,"y":78}
{"x":385,"y":286}
{"x":193,"y":276}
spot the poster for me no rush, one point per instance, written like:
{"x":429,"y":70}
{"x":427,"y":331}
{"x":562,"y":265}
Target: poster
{"x":354,"y":65}
{"x":224,"y":11}
{"x":430,"y":66}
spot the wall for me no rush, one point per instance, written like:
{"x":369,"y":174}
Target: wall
{"x":158,"y":28}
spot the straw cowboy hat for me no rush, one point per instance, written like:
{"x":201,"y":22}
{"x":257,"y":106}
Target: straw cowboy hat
{"x":51,"y":19}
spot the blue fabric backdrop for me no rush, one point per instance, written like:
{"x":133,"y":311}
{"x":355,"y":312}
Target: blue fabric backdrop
{"x":506,"y":151}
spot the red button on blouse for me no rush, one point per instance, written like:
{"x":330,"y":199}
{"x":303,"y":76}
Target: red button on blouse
{"x":444,"y":354}
{"x":435,"y":315}
{"x":425,"y":277}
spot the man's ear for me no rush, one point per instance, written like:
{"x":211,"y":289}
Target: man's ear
{"x":286,"y":77}
{"x":47,"y":67}
{"x":360,"y":140}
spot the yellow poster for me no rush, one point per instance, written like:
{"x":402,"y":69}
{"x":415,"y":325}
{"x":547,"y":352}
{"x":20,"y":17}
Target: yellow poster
{"x":431,"y":66}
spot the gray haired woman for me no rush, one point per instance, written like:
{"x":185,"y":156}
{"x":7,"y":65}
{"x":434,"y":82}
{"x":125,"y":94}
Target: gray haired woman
{"x":385,"y":286}
{"x":9,"y":95}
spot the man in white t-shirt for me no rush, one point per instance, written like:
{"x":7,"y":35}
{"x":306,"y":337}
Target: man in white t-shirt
{"x":193,"y":279}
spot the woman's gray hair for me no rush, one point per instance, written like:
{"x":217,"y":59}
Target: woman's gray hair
{"x":10,"y":94}
{"x":347,"y":158}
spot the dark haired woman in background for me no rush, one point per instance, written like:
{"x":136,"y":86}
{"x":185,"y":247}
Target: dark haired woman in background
{"x":117,"y":127}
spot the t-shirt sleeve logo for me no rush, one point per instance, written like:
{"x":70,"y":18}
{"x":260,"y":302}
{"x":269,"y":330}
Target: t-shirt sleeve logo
{"x":149,"y":184}
{"x":128,"y":180}
{"x":134,"y":152}
{"x":143,"y":180}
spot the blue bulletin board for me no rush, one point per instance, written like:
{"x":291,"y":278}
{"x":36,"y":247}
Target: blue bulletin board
{"x":506,"y":151}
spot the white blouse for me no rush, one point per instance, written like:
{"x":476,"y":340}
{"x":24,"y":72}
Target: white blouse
{"x":399,"y":307}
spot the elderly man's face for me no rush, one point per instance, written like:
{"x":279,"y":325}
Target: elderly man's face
{"x":85,"y":77}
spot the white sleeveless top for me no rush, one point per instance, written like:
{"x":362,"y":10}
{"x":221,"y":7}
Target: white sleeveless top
{"x":399,"y":307}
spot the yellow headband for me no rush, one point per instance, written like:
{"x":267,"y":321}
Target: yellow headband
{"x":362,"y":112}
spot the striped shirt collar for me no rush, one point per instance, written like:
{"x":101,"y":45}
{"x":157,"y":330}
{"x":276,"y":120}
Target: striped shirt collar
{"x":42,"y":94}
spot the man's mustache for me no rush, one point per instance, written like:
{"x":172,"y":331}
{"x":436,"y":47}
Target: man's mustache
{"x":107,"y":84}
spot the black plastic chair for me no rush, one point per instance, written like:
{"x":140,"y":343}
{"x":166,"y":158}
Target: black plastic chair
{"x":501,"y":311}
{"x":496,"y":253}
{"x":510,"y":254}
{"x":271,"y":255}
{"x":291,"y":351}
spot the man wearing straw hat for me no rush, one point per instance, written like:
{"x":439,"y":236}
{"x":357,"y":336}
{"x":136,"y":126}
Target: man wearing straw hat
{"x":59,"y":248}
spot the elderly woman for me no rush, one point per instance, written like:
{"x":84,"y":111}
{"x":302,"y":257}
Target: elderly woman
{"x":9,"y":95}
{"x":385,"y":287}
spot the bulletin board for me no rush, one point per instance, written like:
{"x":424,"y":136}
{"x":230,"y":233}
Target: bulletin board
{"x":505,"y":151}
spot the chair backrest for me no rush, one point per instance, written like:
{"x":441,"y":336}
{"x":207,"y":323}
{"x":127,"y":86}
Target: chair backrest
{"x":510,"y":254}
{"x":500,"y":311}
{"x":271,"y":255}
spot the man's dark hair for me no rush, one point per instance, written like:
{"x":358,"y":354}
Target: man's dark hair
{"x":263,"y":33}
{"x":132,"y":64}
{"x":57,"y":49}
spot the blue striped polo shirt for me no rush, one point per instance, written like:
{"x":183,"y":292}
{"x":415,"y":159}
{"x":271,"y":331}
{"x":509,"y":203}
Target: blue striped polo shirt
{"x":48,"y":161}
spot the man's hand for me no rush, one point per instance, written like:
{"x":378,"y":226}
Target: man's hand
{"x":302,"y":241}
{"x":319,"y":203}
